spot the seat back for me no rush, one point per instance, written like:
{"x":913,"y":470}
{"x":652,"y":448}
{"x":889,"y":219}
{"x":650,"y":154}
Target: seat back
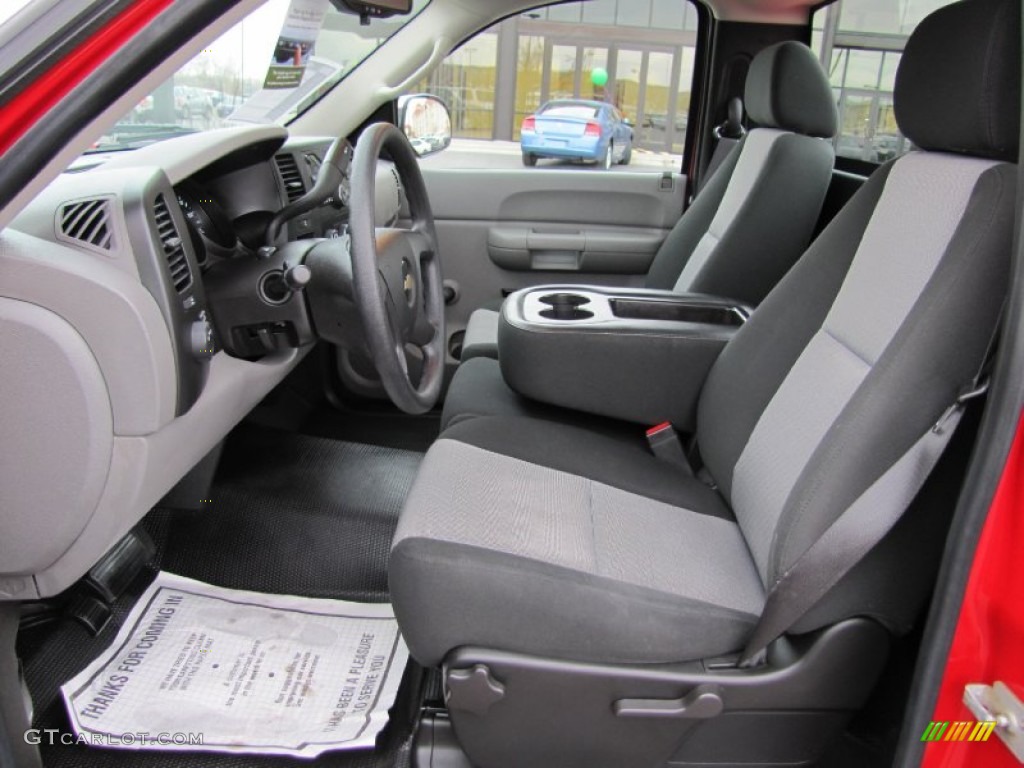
{"x":756,"y":214}
{"x":867,"y":341}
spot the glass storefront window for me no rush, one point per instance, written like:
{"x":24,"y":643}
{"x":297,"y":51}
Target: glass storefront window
{"x":686,"y":65}
{"x":568,"y":12}
{"x":668,"y":14}
{"x":886,"y":16}
{"x":529,"y":73}
{"x":593,"y":58}
{"x":636,"y":55}
{"x":837,"y":67}
{"x":634,"y":13}
{"x":862,"y":69}
{"x":658,"y":123}
{"x":889,"y":65}
{"x":627,"y":82}
{"x":465,"y":81}
{"x":599,"y":12}
{"x":563,"y":72}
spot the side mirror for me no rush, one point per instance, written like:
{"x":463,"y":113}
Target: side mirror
{"x":426,"y":122}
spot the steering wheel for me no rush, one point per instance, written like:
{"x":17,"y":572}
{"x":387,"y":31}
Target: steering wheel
{"x":381,"y":292}
{"x":378,"y":291}
{"x":396,"y":273}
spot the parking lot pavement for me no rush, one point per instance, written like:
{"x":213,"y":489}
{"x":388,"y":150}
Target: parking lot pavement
{"x":477,"y":153}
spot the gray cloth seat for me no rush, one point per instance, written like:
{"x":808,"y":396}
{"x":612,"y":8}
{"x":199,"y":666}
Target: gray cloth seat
{"x":552,"y":540}
{"x":645,"y":566}
{"x":755,"y":216}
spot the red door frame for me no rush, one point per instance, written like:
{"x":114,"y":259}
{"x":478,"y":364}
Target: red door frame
{"x":31,"y":104}
{"x":987,"y":645}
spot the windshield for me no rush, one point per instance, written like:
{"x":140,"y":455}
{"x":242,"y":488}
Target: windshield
{"x":267,"y":69}
{"x":10,"y":8}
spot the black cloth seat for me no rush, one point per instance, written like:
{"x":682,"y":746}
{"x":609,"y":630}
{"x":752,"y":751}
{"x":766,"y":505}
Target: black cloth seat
{"x":479,"y":389}
{"x":552,"y":540}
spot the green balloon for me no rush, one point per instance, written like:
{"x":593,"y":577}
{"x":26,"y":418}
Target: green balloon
{"x":599,"y":77}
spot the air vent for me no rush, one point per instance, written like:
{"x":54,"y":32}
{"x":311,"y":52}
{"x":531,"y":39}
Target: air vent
{"x":87,"y":222}
{"x":172,"y":246}
{"x":290,"y":176}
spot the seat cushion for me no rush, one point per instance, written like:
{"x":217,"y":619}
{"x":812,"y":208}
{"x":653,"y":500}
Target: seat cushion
{"x":479,"y":389}
{"x":539,"y":557}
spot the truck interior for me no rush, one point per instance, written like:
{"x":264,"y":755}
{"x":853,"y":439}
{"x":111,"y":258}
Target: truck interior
{"x":657,"y":464}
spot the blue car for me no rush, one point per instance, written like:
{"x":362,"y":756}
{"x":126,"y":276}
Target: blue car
{"x":577,"y":129}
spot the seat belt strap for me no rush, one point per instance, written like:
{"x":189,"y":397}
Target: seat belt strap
{"x":727,"y":136}
{"x":724,"y":147}
{"x":849,"y":538}
{"x":855,"y":532}
{"x":865,"y":522}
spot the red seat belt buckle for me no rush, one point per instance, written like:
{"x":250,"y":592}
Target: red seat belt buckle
{"x":659,"y":428}
{"x":665,"y":444}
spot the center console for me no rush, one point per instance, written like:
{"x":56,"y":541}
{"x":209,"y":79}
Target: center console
{"x":637,"y":355}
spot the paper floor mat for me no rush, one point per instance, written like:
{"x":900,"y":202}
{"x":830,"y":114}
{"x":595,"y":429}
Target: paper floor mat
{"x":198,"y":667}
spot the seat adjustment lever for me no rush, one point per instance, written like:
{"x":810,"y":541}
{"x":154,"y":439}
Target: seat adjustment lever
{"x":701,"y":703}
{"x":473,"y":690}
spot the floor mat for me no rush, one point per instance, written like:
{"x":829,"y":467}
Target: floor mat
{"x":289,"y":514}
{"x":298,"y":515}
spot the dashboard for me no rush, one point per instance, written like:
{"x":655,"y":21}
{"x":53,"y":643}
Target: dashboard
{"x":196,"y":211}
{"x":228,"y":209}
{"x":127,"y":282}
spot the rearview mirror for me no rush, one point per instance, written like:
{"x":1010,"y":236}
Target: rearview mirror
{"x":374,"y":9}
{"x":426,"y":122}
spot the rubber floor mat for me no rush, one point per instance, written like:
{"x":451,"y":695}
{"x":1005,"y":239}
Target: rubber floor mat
{"x":297,"y":515}
{"x":289,"y":514}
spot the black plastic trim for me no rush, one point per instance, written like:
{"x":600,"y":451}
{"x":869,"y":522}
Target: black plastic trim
{"x":509,"y":709}
{"x":15,"y":751}
{"x":180,"y":308}
{"x":700,"y":96}
{"x":855,"y":166}
{"x":160,"y":39}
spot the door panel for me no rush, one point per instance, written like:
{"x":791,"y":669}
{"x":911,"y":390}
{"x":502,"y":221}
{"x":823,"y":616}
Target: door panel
{"x":552,"y":226}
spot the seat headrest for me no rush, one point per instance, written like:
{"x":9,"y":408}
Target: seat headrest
{"x":958,"y":82}
{"x":787,"y":88}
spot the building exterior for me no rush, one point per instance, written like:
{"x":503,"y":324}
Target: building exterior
{"x":647,"y":48}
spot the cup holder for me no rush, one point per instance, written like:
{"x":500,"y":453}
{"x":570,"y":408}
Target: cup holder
{"x":565,"y":306}
{"x":571,"y":299}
